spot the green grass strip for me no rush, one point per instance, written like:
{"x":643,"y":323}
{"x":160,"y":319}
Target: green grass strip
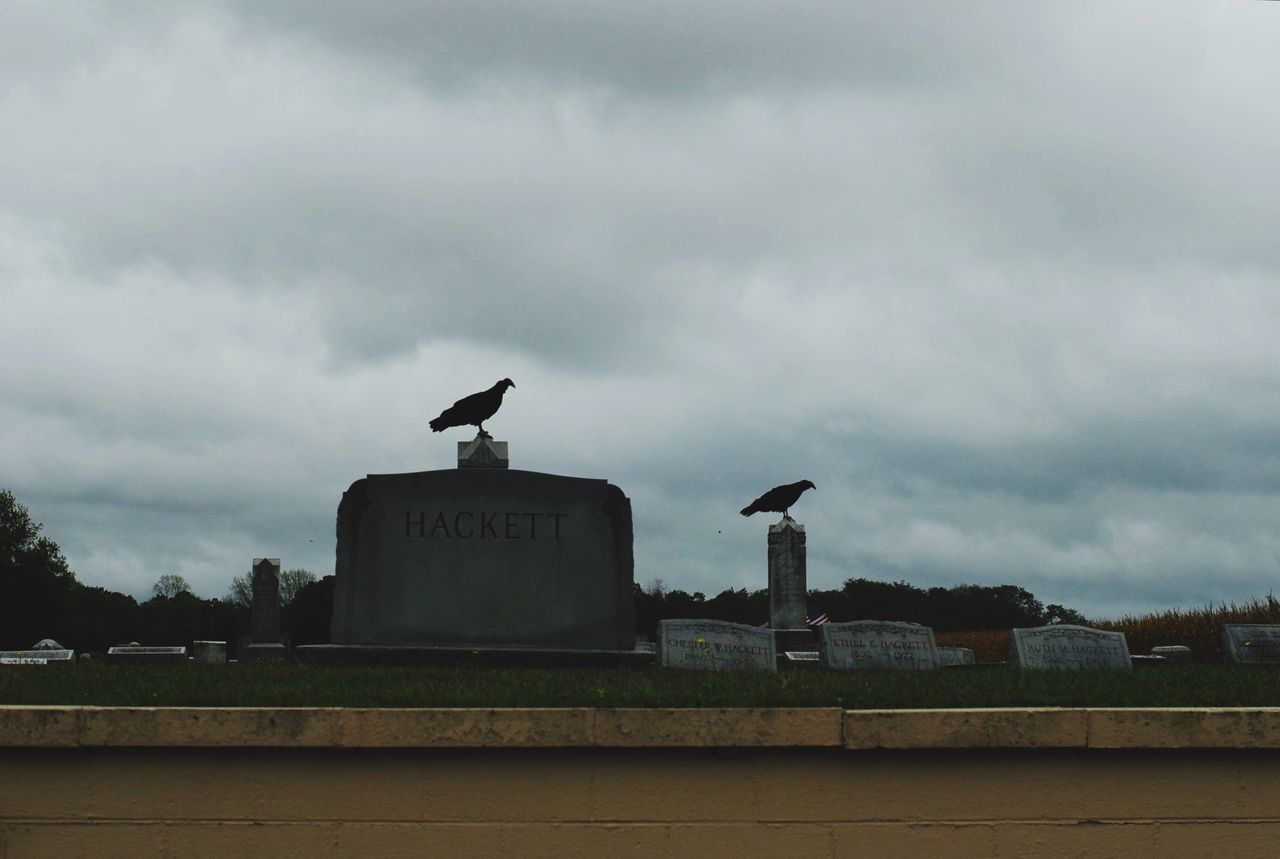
{"x":328,"y":686}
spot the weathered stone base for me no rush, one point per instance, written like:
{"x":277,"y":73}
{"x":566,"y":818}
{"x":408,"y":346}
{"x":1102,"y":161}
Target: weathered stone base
{"x":795,"y":639}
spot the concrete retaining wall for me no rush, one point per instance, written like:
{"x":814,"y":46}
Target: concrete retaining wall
{"x":620,"y":783}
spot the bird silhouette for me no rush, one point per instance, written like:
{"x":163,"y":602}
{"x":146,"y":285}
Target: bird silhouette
{"x":474,"y":410}
{"x":778,"y":499}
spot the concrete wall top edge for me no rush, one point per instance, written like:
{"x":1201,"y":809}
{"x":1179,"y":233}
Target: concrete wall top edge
{"x":50,"y":726}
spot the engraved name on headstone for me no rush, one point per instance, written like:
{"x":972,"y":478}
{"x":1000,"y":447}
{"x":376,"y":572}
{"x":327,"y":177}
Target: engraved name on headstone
{"x":1250,"y":644}
{"x":1067,"y":646}
{"x":43,"y":656}
{"x":715,"y":645}
{"x":484,"y":557}
{"x":876,"y":644}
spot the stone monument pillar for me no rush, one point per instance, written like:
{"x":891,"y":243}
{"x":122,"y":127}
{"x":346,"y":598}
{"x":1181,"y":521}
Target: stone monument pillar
{"x":483,"y":452}
{"x":788,"y":588}
{"x":265,"y":613}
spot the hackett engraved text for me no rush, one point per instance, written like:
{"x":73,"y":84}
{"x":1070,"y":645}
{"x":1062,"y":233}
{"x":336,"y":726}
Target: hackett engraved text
{"x":484,"y":525}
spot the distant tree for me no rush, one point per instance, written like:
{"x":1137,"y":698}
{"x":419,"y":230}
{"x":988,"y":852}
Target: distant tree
{"x":308,"y":617}
{"x":185,"y":617}
{"x":292,"y":582}
{"x":241,"y":592}
{"x":170,"y":585}
{"x":35,"y":579}
{"x":97,"y":618}
{"x":1054,"y":613}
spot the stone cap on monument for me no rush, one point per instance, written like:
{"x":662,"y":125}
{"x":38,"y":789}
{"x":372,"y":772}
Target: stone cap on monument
{"x":786,"y":523}
{"x":483,"y":452}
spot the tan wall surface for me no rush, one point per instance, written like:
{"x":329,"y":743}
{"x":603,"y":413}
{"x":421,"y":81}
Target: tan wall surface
{"x":982,"y":789}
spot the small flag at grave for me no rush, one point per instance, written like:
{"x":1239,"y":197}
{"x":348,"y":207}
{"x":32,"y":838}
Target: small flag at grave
{"x":816,"y":618}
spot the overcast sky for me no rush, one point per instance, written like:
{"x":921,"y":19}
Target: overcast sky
{"x":1002,"y":279}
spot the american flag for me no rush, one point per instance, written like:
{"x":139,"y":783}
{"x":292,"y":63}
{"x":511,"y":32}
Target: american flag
{"x":816,"y":618}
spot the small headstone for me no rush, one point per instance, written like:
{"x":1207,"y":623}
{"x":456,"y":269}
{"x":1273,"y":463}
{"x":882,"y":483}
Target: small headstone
{"x":715,"y":645}
{"x":138,"y":654}
{"x":950,"y":656}
{"x":876,"y":644}
{"x":209,"y":652}
{"x":1251,"y":644}
{"x":1066,"y":646}
{"x":44,"y":656}
{"x":1178,"y":653}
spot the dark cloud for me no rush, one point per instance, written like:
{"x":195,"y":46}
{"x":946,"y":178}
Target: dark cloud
{"x":998,"y":279}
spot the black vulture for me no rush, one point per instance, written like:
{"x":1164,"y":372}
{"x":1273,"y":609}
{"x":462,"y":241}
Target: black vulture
{"x":779,"y":499}
{"x":475,"y":409}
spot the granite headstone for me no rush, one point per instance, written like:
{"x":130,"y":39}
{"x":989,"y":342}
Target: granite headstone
{"x":876,"y":644}
{"x":1067,"y":646}
{"x":1251,"y":644}
{"x":484,"y":557}
{"x":715,"y":645}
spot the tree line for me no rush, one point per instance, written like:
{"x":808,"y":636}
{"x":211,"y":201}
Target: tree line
{"x":40,"y":597}
{"x":959,"y":608}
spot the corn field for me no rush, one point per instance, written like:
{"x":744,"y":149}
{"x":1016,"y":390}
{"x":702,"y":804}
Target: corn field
{"x":1197,"y":628}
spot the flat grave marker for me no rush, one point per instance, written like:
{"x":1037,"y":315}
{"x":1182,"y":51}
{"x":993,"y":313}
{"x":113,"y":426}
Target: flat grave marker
{"x":135,"y":653}
{"x":37,"y":657}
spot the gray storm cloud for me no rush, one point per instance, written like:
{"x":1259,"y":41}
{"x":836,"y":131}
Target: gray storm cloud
{"x":998,"y":278}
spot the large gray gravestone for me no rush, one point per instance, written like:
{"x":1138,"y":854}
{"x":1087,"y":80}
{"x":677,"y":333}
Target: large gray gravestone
{"x":484,"y":557}
{"x":715,"y":645}
{"x":876,"y":644}
{"x":788,"y":590}
{"x":1068,"y":646}
{"x":1250,"y":644}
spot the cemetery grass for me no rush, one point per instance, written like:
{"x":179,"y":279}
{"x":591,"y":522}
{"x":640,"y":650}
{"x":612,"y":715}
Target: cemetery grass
{"x":331,"y":686}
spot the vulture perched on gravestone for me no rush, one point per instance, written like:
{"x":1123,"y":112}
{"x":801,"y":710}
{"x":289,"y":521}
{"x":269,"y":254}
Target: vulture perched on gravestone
{"x":778,"y":499}
{"x":475,"y":409}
